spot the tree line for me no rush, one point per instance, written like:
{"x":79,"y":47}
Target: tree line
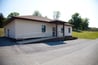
{"x":76,"y":20}
{"x":3,"y":19}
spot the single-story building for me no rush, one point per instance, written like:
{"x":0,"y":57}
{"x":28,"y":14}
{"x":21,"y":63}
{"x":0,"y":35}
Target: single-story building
{"x":23,"y":27}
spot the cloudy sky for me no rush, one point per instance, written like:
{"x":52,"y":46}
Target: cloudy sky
{"x":86,"y":8}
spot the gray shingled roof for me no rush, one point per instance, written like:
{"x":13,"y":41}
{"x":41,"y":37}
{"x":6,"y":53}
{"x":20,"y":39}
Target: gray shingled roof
{"x":37,"y":18}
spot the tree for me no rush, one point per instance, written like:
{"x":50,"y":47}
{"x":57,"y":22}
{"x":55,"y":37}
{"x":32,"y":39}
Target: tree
{"x":76,"y":21}
{"x":37,"y":13}
{"x":56,"y":14}
{"x":13,"y":14}
{"x":85,"y":23}
{"x":1,"y":20}
{"x":46,"y":17}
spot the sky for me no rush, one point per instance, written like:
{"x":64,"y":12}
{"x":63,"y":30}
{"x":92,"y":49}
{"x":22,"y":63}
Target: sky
{"x":86,"y":8}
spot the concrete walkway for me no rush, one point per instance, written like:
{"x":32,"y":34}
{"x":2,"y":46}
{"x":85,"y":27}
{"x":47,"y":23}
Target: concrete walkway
{"x":74,"y":52}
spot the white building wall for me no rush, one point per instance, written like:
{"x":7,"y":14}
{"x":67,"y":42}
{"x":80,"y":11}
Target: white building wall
{"x":59,"y":33}
{"x":67,"y":32}
{"x":20,"y":29}
{"x":11,"y":28}
{"x":31,"y":29}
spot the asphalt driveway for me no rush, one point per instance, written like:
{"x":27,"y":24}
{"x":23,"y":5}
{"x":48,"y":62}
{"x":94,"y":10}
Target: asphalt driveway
{"x":74,"y":52}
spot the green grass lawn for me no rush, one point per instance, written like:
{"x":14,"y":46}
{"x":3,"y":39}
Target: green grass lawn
{"x":1,"y":32}
{"x":86,"y":34}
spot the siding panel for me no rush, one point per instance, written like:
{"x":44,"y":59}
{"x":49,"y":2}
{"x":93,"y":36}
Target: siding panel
{"x":31,"y":29}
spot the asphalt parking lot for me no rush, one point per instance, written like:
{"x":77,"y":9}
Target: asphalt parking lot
{"x":74,"y":52}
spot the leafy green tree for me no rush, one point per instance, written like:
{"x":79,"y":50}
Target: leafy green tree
{"x":13,"y":14}
{"x":85,"y":23}
{"x":56,"y":14}
{"x":1,"y":20}
{"x":37,"y":13}
{"x":76,"y":21}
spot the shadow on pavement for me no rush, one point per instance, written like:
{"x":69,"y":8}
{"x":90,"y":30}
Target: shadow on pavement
{"x":9,"y":42}
{"x":6,"y":42}
{"x":55,"y":43}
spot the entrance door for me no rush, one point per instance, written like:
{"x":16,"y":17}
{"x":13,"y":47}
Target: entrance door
{"x":53,"y":31}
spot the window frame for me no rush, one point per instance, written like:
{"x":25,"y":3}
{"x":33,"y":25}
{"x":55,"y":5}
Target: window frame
{"x":43,"y":28}
{"x":69,"y":30}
